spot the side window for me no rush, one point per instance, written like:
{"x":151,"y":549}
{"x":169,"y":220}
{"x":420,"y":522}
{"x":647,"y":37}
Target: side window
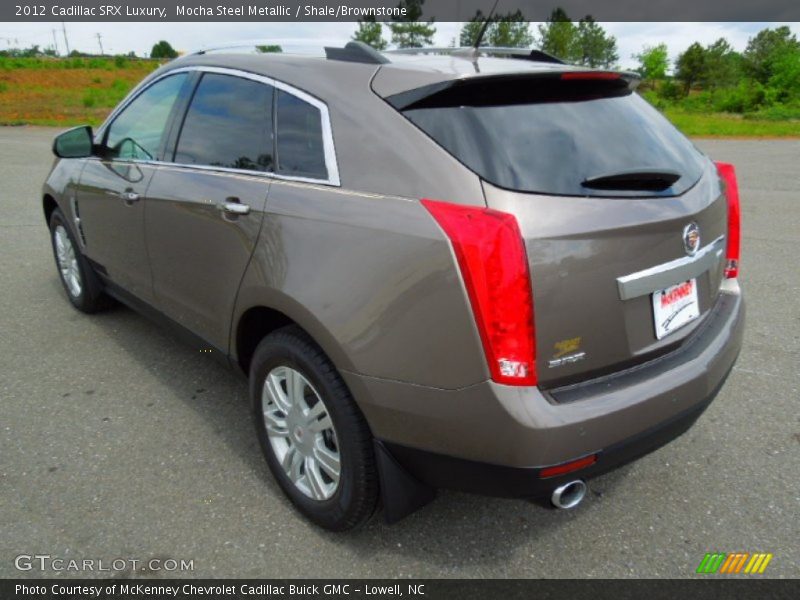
{"x":300,"y":148}
{"x":137,"y":131}
{"x":228,"y":124}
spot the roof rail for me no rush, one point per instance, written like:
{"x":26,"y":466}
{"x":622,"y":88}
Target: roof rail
{"x":250,"y":43}
{"x":356,"y":52}
{"x":471,"y":53}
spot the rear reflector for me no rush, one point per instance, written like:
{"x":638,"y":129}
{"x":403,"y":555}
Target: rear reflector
{"x":728,"y":174}
{"x":568,"y":467}
{"x":589,"y":75}
{"x":494,"y":266}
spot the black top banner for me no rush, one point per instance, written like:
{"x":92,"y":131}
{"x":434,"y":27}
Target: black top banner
{"x":400,"y":10}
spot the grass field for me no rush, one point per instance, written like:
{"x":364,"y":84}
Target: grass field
{"x":65,"y":92}
{"x":731,"y":125}
{"x":77,"y":91}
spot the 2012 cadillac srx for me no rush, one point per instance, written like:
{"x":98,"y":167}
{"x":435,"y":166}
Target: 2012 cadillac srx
{"x":499,"y":275}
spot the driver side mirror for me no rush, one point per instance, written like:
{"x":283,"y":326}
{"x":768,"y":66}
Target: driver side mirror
{"x":74,"y":143}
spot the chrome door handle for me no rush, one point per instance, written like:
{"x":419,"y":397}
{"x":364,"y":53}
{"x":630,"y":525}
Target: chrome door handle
{"x":235,"y":208}
{"x":129,"y":196}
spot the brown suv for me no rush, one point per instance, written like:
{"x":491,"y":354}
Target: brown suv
{"x":499,"y":275}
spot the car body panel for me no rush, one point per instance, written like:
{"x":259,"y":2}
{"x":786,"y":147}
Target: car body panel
{"x":112,"y":225}
{"x":578,"y":247}
{"x":524,"y":427}
{"x":375,"y":280}
{"x":198,"y":252}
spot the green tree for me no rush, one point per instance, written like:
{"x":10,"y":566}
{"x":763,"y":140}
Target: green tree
{"x":595,"y":46}
{"x":163,"y":49}
{"x":470,"y":31}
{"x":507,"y":31}
{"x":370,"y":32}
{"x":785,"y":78}
{"x":690,"y":67}
{"x":653,"y":62}
{"x":559,"y":36}
{"x":510,"y":31}
{"x":269,"y":49}
{"x":722,"y":65}
{"x":410,"y":32}
{"x":766,"y":49}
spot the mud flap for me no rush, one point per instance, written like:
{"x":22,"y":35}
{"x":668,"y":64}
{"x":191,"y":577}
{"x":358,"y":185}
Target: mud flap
{"x":401,"y":492}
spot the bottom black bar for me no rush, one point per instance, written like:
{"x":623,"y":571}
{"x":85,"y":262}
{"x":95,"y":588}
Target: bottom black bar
{"x":711,"y":587}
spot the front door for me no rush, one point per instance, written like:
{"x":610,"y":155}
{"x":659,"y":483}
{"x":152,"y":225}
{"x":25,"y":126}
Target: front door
{"x":110,"y":196}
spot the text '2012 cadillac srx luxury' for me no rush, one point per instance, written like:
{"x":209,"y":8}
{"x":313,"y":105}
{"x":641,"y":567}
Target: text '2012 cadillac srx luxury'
{"x":499,"y":275}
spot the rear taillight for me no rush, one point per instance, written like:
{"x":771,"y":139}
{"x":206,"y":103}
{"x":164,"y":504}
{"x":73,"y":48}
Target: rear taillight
{"x":590,"y":75}
{"x":728,"y":174}
{"x":493,"y":264}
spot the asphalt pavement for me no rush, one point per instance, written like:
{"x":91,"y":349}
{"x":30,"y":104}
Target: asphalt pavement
{"x":119,"y":442}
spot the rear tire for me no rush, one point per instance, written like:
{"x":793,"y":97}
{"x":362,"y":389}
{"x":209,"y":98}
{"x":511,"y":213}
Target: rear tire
{"x":83,"y":287}
{"x":315,"y":439}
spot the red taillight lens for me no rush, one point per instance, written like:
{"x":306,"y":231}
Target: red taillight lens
{"x":491,"y":256}
{"x":568,"y":467}
{"x":728,"y":174}
{"x":589,"y":75}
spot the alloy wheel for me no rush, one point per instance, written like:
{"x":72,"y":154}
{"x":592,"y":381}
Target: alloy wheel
{"x":301,"y":433}
{"x":67,"y":262}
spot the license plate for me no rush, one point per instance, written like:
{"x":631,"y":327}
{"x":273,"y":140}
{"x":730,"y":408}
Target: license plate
{"x":674,"y":307}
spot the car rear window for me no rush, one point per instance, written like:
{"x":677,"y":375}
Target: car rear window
{"x":552,"y":140}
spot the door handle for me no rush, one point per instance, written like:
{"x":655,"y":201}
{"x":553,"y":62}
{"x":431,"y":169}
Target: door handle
{"x":234,"y":207}
{"x":129,"y":196}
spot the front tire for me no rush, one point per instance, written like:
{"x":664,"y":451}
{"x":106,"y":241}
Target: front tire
{"x":83,"y":287}
{"x":315,"y":440}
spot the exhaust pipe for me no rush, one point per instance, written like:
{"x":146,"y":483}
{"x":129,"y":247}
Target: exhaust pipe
{"x":569,"y":495}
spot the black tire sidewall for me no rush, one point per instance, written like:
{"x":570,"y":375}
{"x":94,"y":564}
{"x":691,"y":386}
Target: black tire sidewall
{"x":335,"y":513}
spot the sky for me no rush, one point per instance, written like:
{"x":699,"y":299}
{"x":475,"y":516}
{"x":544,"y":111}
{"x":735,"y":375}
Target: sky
{"x":121,"y":38}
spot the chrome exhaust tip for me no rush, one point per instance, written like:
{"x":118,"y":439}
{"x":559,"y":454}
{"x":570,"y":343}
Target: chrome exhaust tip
{"x":569,"y":495}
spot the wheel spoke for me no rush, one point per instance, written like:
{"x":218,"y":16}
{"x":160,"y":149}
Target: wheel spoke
{"x":273,"y":391}
{"x":295,"y":384}
{"x":314,"y":479}
{"x":320,"y":425}
{"x":328,"y":460}
{"x":295,"y":466}
{"x":276,"y":426}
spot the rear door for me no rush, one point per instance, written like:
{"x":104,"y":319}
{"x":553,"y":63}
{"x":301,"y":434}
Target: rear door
{"x":204,"y":210}
{"x":606,"y":193}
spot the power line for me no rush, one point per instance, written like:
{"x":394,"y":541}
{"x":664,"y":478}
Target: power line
{"x":66,"y":41}
{"x":100,"y":41}
{"x":55,"y":42}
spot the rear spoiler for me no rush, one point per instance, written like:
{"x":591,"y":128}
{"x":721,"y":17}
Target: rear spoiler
{"x":471,"y":53}
{"x":568,"y":85}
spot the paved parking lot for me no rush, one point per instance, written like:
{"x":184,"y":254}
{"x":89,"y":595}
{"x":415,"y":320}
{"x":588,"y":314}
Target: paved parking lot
{"x":116,"y":441}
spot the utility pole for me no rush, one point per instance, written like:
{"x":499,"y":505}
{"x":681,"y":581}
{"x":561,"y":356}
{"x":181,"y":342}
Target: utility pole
{"x":66,"y":41}
{"x":100,"y":41}
{"x":55,"y":42}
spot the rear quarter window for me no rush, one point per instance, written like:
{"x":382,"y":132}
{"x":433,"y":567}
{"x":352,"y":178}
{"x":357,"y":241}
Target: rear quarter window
{"x":300,"y":144}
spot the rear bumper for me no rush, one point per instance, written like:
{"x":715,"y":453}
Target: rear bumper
{"x":494,"y":439}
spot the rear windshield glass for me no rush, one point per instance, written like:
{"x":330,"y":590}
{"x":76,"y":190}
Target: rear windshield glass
{"x":554,"y":147}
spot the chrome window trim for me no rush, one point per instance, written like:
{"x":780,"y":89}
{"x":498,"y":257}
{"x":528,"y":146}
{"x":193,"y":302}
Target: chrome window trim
{"x":331,"y":163}
{"x":669,"y":273}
